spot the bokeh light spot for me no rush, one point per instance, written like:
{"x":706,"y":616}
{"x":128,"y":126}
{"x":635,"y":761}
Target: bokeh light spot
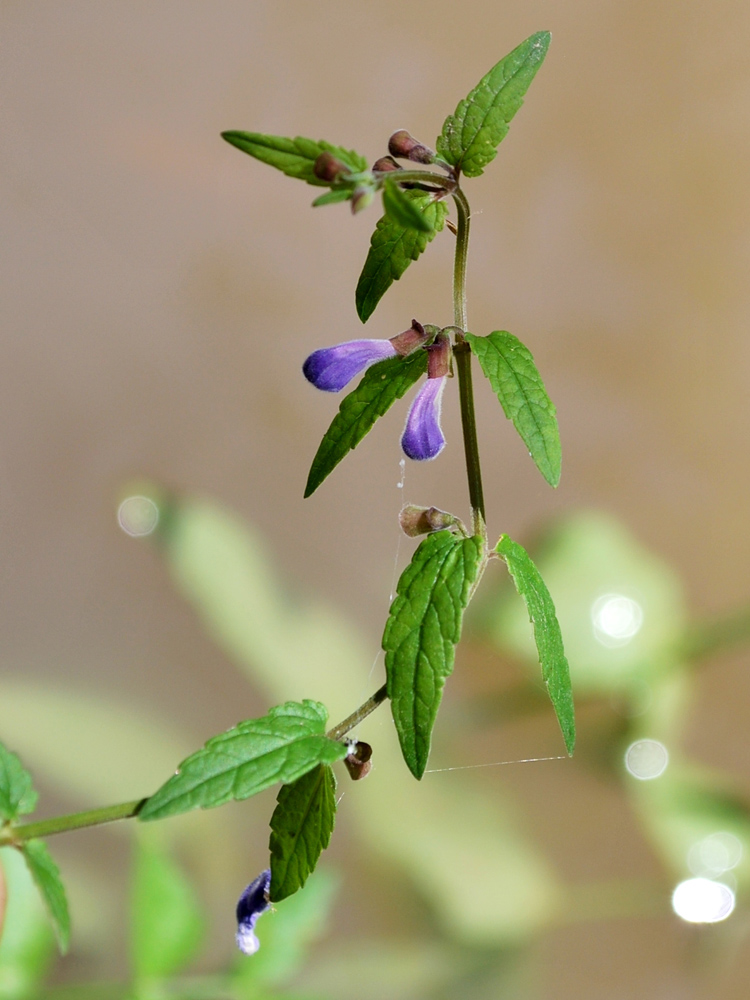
{"x":646,"y":759}
{"x":138,"y":516}
{"x":702,"y":901}
{"x":615,"y":619}
{"x":715,"y":854}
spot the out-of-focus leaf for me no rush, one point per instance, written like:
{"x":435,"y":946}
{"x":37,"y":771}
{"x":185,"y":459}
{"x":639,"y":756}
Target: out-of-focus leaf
{"x":697,"y":823}
{"x":620,"y":607}
{"x":47,"y":877}
{"x":547,"y":635}
{"x":516,"y":382}
{"x":167,"y":924}
{"x":295,"y":157}
{"x":27,"y":943}
{"x":258,"y":753}
{"x":403,"y":209}
{"x":420,"y":637}
{"x":301,"y":828}
{"x":471,"y":135}
{"x":393,"y":247}
{"x":286,"y":935}
{"x":17,"y":794}
{"x":381,"y":385}
{"x":59,"y":734}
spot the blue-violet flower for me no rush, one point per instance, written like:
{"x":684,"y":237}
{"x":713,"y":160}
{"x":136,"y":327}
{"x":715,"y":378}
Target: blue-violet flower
{"x":423,"y":438}
{"x":331,"y":368}
{"x":253,"y":902}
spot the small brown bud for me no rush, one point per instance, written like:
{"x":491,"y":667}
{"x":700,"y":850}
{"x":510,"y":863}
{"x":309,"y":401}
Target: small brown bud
{"x":357,"y":761}
{"x":328,"y":168}
{"x":417,"y":521}
{"x":405,"y":146}
{"x":386,"y":163}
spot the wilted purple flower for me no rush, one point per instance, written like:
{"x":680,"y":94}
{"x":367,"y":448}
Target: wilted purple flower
{"x":253,"y":903}
{"x":331,"y":368}
{"x":423,"y":438}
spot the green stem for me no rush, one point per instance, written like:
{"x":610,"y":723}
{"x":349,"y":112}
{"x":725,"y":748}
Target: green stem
{"x":356,"y":717}
{"x":73,"y":821}
{"x":462,"y":353}
{"x":15,"y":835}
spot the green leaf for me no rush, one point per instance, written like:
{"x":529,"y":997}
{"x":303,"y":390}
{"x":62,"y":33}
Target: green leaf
{"x":333,"y":197}
{"x":516,"y":382}
{"x":258,"y":753}
{"x":393,"y":247}
{"x":17,"y":795}
{"x":402,"y":209}
{"x":27,"y":943}
{"x":295,"y":157}
{"x":382,"y":384}
{"x":547,"y":636}
{"x":301,"y":828}
{"x":471,"y":135}
{"x":421,"y":633}
{"x":47,"y":877}
{"x":167,"y":926}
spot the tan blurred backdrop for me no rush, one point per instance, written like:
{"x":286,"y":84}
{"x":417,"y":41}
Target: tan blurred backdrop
{"x":160,"y":291}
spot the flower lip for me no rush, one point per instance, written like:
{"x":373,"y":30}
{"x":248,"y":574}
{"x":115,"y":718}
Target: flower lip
{"x":252,"y":904}
{"x":331,"y":368}
{"x":422,"y":438}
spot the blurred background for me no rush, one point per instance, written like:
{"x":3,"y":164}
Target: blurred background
{"x":161,"y":291}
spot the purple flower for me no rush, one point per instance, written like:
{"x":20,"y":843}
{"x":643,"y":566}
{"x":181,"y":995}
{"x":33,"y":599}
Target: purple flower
{"x":253,"y":902}
{"x":422,"y":438}
{"x":331,"y":368}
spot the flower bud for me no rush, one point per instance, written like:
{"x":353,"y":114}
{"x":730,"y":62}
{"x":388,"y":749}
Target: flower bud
{"x":386,"y":163}
{"x":328,"y":168}
{"x":405,"y":146}
{"x":417,"y":521}
{"x":362,"y":198}
{"x":357,"y":761}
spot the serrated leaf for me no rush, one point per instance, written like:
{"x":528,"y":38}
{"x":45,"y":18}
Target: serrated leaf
{"x":471,"y":135}
{"x":17,"y":794}
{"x":381,"y":385}
{"x":402,"y":209}
{"x":511,"y":371}
{"x":47,"y":877}
{"x":301,"y":828}
{"x":392,"y":248}
{"x":258,"y":753}
{"x":167,"y":925}
{"x":547,"y":635}
{"x":295,"y":157}
{"x":423,"y":628}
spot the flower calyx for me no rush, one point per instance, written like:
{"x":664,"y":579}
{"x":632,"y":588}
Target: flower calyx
{"x":416,"y":520}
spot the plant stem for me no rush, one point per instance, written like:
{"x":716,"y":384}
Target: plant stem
{"x":72,"y":821}
{"x":15,"y":835}
{"x":462,"y":353}
{"x":356,"y":717}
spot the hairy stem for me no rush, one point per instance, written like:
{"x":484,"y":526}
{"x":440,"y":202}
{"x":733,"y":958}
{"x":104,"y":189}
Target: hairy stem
{"x":15,"y":835}
{"x":462,"y":354}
